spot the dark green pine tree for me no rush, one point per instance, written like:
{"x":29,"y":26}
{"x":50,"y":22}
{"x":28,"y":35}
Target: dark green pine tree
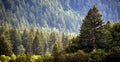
{"x":5,"y":46}
{"x":36,"y":45}
{"x":27,"y":40}
{"x":91,"y":32}
{"x":56,"y":51}
{"x":15,"y":39}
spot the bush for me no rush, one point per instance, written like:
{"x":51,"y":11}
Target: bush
{"x":114,"y":55}
{"x":4,"y":58}
{"x":79,"y":56}
{"x":97,"y":56}
{"x":49,"y":58}
{"x":36,"y":58}
{"x":13,"y":58}
{"x":21,"y":58}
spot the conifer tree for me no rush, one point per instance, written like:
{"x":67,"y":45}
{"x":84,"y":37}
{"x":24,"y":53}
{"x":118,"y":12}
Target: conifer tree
{"x":15,"y":39}
{"x":36,"y":46}
{"x":5,"y":46}
{"x":56,"y":51}
{"x":27,"y":40}
{"x":91,"y":32}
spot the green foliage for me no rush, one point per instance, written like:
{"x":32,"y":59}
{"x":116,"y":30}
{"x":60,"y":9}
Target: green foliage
{"x":5,"y":46}
{"x":108,"y":40}
{"x":79,"y":56}
{"x":27,"y":41}
{"x":13,"y":58}
{"x":114,"y":55}
{"x":97,"y":56}
{"x":115,"y":31}
{"x":21,"y":49}
{"x":73,"y":46}
{"x":91,"y":33}
{"x":4,"y":58}
{"x":37,"y":46}
{"x":56,"y":51}
{"x":15,"y":39}
{"x":65,"y":39}
{"x":108,"y":25}
{"x":49,"y":58}
{"x":102,"y":44}
{"x":115,"y":50}
{"x":21,"y":58}
{"x":36,"y":58}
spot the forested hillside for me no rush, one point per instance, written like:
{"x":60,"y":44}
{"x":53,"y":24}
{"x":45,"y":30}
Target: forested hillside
{"x":65,"y":15}
{"x":59,"y":31}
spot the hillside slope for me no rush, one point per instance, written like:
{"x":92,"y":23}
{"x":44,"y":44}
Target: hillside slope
{"x":65,"y":15}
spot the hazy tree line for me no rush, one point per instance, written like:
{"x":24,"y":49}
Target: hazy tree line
{"x":29,"y":41}
{"x":96,"y":42}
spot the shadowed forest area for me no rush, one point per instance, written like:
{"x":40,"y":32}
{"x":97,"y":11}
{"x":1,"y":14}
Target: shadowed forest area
{"x":59,"y":30}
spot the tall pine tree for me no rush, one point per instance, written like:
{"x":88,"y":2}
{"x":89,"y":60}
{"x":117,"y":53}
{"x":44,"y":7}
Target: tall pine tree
{"x":91,"y":32}
{"x":15,"y":39}
{"x":36,"y":45}
{"x":27,"y":40}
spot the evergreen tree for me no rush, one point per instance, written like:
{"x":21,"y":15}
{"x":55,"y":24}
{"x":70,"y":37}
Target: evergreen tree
{"x":15,"y":39}
{"x":73,"y":46}
{"x":27,"y":40}
{"x":56,"y":51}
{"x":37,"y":46}
{"x":53,"y":38}
{"x":108,"y":25}
{"x":65,"y":39}
{"x":91,"y":32}
{"x":5,"y":46}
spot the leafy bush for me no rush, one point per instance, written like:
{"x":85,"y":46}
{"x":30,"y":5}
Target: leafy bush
{"x":4,"y":58}
{"x":21,"y":58}
{"x":79,"y":56}
{"x":114,"y":55}
{"x":97,"y":56}
{"x":36,"y":58}
{"x":49,"y":58}
{"x":13,"y":58}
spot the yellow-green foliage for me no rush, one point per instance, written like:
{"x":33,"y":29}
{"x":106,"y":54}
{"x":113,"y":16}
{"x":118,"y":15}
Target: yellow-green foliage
{"x":21,"y":58}
{"x":13,"y":58}
{"x":4,"y":58}
{"x":36,"y":58}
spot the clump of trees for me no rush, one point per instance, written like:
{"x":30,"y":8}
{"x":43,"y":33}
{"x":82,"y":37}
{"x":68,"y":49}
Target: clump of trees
{"x":31,"y":41}
{"x":97,"y":38}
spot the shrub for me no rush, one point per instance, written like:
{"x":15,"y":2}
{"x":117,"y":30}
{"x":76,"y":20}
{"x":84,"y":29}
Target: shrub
{"x":114,"y":55}
{"x":49,"y":58}
{"x":97,"y":56}
{"x":4,"y":58}
{"x":36,"y":58}
{"x":21,"y":58}
{"x":13,"y":58}
{"x":79,"y":56}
